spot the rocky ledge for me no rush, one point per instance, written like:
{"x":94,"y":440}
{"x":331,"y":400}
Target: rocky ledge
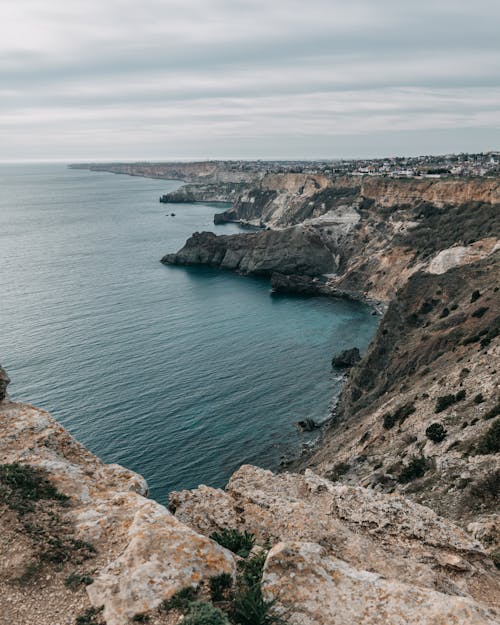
{"x":333,"y":553}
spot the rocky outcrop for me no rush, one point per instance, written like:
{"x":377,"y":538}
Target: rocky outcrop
{"x":214,"y":192}
{"x":314,"y":588}
{"x":381,"y":556}
{"x":346,"y":359}
{"x":281,"y":200}
{"x":4,"y":382}
{"x":143,"y":554}
{"x":295,"y":250}
{"x":338,"y":553}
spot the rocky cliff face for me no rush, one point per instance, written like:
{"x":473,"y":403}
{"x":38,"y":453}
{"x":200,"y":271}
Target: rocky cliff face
{"x":379,"y":231}
{"x":346,"y":554}
{"x":282,"y":200}
{"x":426,"y":396}
{"x":441,"y":192}
{"x":295,"y":250}
{"x":204,"y":172}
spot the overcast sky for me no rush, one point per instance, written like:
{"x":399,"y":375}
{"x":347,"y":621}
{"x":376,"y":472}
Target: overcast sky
{"x":166,"y":79}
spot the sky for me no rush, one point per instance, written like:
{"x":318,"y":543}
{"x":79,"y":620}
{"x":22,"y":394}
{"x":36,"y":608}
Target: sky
{"x":277,"y":79}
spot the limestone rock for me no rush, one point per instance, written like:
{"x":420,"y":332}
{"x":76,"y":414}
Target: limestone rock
{"x":144,"y":553}
{"x":162,"y":557}
{"x":313,"y":588}
{"x":386,"y":534}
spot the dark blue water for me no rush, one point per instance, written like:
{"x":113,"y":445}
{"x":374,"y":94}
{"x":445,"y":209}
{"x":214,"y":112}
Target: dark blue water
{"x":179,"y":374}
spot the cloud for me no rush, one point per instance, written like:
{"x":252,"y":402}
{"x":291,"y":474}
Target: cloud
{"x":161,"y":79}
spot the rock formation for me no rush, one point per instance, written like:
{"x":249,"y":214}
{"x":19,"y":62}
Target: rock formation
{"x":346,"y":554}
{"x":347,"y":358}
{"x":143,"y":553}
{"x":340,"y":554}
{"x":295,"y":250}
{"x":4,"y":382}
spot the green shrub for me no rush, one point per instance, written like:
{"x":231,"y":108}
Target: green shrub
{"x":487,"y":489}
{"x":240,"y":543}
{"x":416,"y":468}
{"x":219,"y":585}
{"x":250,"y":608}
{"x":202,"y":613}
{"x":490,"y":442}
{"x":494,"y":412}
{"x":445,"y":401}
{"x":399,"y":415}
{"x":480,"y":312}
{"x":389,"y":421}
{"x":180,"y":600}
{"x":479,"y":398}
{"x":491,"y":334}
{"x":475,"y":296}
{"x":140,"y":618}
{"x":253,"y":567}
{"x":495,"y":556}
{"x":75,"y":580}
{"x":21,"y":485}
{"x":404,"y":411}
{"x":436,"y":432}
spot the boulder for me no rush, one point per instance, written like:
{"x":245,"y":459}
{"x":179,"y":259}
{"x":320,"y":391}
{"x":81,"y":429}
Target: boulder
{"x":385,"y":534}
{"x":162,"y":557}
{"x":347,"y":358}
{"x":313,"y":588}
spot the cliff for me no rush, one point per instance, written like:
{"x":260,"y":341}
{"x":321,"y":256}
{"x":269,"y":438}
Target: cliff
{"x":378,"y":231}
{"x":296,"y":250}
{"x":426,"y":396}
{"x":393,"y":518}
{"x":428,"y":250}
{"x":282,"y":200}
{"x":82,"y":540}
{"x":203,"y":172}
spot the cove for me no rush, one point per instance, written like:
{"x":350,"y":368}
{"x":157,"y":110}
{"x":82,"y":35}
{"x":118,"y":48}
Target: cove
{"x":181,"y":374}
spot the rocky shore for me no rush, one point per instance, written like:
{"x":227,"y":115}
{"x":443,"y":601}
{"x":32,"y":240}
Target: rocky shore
{"x":393,"y":519}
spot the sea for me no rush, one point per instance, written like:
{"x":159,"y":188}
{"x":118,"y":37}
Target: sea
{"x":180,"y":374}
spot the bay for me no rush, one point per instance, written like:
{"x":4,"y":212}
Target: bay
{"x":180,"y":374}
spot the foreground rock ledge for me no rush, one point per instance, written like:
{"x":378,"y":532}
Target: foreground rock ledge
{"x":145,"y":554}
{"x":341,"y":555}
